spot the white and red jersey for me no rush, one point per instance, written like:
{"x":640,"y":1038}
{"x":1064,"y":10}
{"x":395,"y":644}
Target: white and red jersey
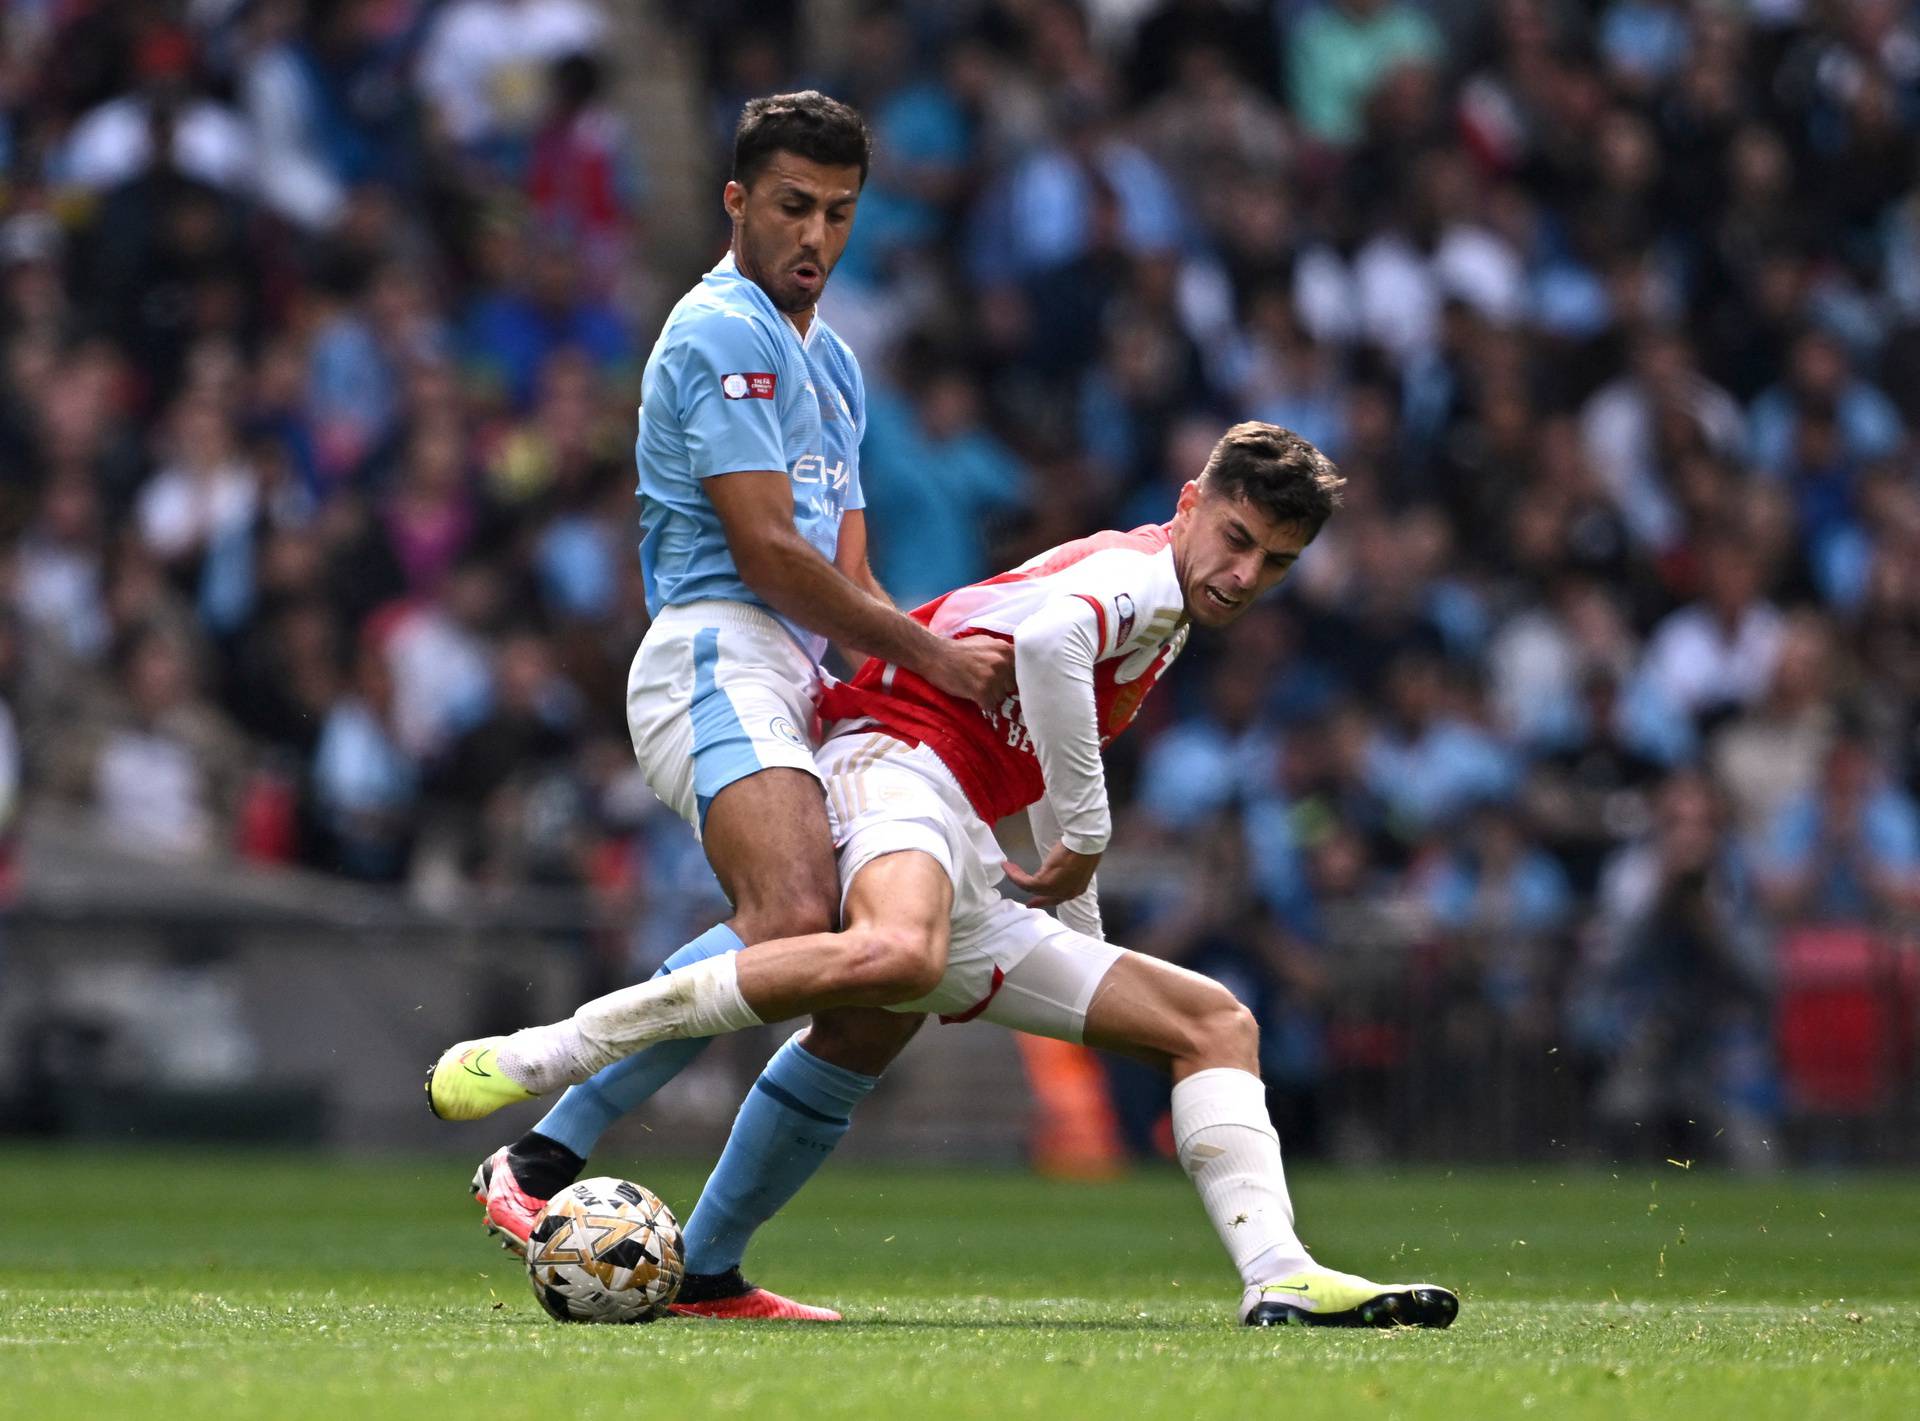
{"x":1094,"y":624}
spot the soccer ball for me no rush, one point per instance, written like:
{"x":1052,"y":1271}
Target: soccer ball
{"x":605,"y":1250}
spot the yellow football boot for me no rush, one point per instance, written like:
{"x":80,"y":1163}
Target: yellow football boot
{"x":1320,"y":1297}
{"x":466,"y":1083}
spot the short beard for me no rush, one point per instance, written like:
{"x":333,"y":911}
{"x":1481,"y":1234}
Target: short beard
{"x":759,"y":276}
{"x":806,"y":303}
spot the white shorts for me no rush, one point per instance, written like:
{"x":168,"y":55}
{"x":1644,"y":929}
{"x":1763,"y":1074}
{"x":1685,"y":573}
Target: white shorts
{"x":719,"y":691}
{"x":1006,"y":962}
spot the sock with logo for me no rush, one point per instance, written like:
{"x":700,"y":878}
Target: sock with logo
{"x":1230,"y":1150}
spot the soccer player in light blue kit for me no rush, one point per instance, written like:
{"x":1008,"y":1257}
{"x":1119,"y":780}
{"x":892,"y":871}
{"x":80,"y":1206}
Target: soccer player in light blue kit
{"x":754,"y":553}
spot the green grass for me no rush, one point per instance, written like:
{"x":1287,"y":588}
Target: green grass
{"x":158,"y":1286}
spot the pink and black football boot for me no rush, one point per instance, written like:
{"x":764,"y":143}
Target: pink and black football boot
{"x":728,"y":1297}
{"x":510,"y":1210}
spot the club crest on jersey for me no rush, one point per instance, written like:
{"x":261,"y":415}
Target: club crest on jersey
{"x":748,"y":385}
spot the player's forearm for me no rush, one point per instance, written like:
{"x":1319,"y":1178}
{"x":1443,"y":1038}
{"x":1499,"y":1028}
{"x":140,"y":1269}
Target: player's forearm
{"x":786,"y":573}
{"x":1082,"y":914}
{"x":1053,"y":655}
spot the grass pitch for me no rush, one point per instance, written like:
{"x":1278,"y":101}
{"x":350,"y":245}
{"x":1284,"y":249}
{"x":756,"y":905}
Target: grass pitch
{"x":161,"y":1286}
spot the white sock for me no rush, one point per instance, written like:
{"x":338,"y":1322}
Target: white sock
{"x":544,"y":1058}
{"x":700,"y":999}
{"x":1230,"y":1150}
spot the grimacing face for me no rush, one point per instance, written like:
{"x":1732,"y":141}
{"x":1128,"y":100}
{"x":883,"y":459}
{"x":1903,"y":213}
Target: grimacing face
{"x":791,"y":225}
{"x":1227,"y":552}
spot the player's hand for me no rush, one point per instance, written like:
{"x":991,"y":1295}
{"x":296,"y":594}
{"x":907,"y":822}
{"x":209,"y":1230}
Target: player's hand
{"x":1063,"y":875}
{"x":975,"y":668}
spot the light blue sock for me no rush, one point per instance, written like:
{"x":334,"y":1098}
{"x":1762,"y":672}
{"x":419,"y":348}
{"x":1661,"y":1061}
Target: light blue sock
{"x":584,"y":1113}
{"x":787,"y":1126}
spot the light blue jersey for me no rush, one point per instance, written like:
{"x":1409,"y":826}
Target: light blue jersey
{"x":731,"y":387}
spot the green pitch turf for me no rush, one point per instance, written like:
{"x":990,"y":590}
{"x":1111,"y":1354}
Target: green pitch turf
{"x":157,"y":1286}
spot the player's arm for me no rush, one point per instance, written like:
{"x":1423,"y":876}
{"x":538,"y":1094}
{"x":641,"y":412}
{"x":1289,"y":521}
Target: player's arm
{"x":739,"y":454}
{"x":851,"y":555}
{"x":789,"y":575}
{"x":1081,"y":912}
{"x":1054,"y":651}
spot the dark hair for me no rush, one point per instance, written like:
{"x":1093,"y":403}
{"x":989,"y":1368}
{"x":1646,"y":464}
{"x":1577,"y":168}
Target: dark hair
{"x":808,"y":124}
{"x":1277,"y":471}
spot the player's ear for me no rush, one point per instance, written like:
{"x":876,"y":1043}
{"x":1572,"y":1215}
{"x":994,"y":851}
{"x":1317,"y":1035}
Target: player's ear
{"x":1189,"y":496}
{"x":734,"y":198}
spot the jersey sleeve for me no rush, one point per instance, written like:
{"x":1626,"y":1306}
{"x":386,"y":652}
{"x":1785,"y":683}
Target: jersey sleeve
{"x":729,"y":397}
{"x":1127,"y":593}
{"x":1054,"y":649}
{"x":1093,"y":610}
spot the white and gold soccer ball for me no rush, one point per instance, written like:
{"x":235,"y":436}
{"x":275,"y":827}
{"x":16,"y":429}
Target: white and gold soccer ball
{"x":605,"y":1250}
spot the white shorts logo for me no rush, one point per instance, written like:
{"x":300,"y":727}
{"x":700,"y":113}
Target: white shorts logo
{"x":783,"y":728}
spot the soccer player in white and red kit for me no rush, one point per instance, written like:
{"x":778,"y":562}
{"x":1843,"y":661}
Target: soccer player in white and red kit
{"x":916,"y":780}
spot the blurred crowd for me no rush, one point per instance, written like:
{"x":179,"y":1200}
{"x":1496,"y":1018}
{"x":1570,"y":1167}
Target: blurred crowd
{"x":1588,"y":736}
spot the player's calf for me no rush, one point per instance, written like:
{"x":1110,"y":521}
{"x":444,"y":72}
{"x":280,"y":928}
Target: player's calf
{"x":1228,"y":1146}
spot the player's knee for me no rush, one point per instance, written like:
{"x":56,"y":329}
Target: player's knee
{"x":888,"y":963}
{"x":1220,"y":1031}
{"x":796,"y":907}
{"x":863,"y":1041}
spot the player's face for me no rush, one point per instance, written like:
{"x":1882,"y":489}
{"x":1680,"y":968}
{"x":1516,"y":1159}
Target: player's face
{"x":1228,"y":552}
{"x":791,"y":226}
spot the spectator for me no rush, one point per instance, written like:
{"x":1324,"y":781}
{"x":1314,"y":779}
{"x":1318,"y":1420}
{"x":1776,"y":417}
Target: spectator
{"x":1773,"y":752}
{"x":534,"y":312}
{"x":161,"y":772}
{"x":480,"y":65}
{"x":1592,"y":792}
{"x":365,"y":785}
{"x":497,"y":778}
{"x":1430,"y":762}
{"x":437,"y":652}
{"x":1227,"y":755}
{"x":1339,"y":53}
{"x":1718,"y":654}
{"x":582,"y":178}
{"x":204,"y":492}
{"x":1499,"y":903}
{"x":1846,"y":849}
{"x":60,"y":577}
{"x":1856,"y":422}
{"x":1620,"y":426}
{"x":1673,"y":988}
{"x":164,"y":123}
{"x":928,"y":463}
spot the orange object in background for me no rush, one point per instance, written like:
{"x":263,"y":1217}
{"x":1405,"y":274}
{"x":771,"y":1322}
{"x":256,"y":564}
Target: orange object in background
{"x":1074,"y":1133}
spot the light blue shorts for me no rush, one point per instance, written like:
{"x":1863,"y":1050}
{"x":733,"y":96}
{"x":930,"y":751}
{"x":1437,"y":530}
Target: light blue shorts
{"x":719,"y":691}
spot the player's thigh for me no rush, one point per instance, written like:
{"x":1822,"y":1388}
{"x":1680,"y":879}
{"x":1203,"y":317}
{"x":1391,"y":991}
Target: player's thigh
{"x":901,"y":904}
{"x":767,"y":839}
{"x":1046,"y":976}
{"x":1076,"y":988}
{"x":863,"y":1039}
{"x":1166,"y":1014}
